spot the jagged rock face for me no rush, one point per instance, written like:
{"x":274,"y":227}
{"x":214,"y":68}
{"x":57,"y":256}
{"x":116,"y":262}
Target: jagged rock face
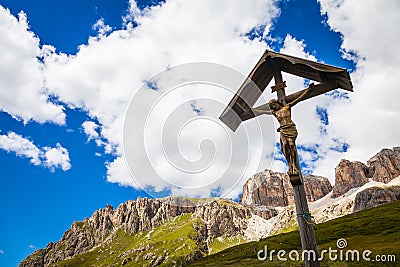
{"x":265,"y":188}
{"x":224,"y":217}
{"x":385,"y":166}
{"x":229,"y":219}
{"x":270,"y":188}
{"x":349,"y":175}
{"x":283,"y":218}
{"x":375,"y":196}
{"x":132,"y":216}
{"x":316,"y":187}
{"x":263,"y":211}
{"x":333,"y":210}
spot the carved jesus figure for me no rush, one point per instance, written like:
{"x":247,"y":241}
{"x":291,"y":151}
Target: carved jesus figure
{"x":287,"y":129}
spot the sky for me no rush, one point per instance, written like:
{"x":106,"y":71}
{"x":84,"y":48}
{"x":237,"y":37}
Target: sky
{"x":73,"y":73}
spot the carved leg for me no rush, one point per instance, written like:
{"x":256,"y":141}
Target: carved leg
{"x":293,"y":153}
{"x":295,"y":174}
{"x":286,"y":152}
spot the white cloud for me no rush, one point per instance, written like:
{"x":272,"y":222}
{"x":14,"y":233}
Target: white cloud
{"x":52,"y":158}
{"x":23,"y":147}
{"x":117,"y":172}
{"x":104,"y":75}
{"x":101,"y":27}
{"x":370,"y":120}
{"x":22,"y":91}
{"x":1,"y":251}
{"x":56,"y":157}
{"x":89,"y":127}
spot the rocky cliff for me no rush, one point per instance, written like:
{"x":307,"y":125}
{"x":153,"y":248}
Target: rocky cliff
{"x":131,"y":217}
{"x":175,"y":231}
{"x":209,"y":219}
{"x":273,"y":189}
{"x":349,"y":175}
{"x":375,"y":196}
{"x":383,"y":167}
{"x":358,"y":186}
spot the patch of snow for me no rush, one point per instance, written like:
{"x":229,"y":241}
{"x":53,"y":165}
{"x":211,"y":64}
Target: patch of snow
{"x":258,"y":227}
{"x":328,"y":208}
{"x":323,"y":209}
{"x":395,"y":181}
{"x":327,"y":199}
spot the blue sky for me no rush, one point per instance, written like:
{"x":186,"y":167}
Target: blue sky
{"x":66,"y":168}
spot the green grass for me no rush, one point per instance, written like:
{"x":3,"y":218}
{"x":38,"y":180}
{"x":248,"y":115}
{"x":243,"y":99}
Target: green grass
{"x":289,"y":227}
{"x":376,"y":229}
{"x":223,"y":242}
{"x":174,"y":238}
{"x":227,"y":202}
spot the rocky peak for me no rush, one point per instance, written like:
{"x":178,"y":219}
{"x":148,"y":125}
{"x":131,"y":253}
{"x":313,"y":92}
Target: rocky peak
{"x":349,"y":175}
{"x":375,"y":196}
{"x":217,"y":217}
{"x":270,"y":188}
{"x":131,"y":217}
{"x":223,"y":218}
{"x":383,"y":167}
{"x":265,"y":188}
{"x":316,"y":187}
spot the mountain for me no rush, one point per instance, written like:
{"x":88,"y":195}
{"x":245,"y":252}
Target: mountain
{"x":376,"y":229}
{"x":371,"y":194}
{"x":176,"y":231}
{"x":383,"y":167}
{"x":376,"y":196}
{"x":273,"y":189}
{"x":148,"y":232}
{"x":357,"y":186}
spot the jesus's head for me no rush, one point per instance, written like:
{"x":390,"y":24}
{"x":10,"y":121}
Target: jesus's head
{"x":274,"y":105}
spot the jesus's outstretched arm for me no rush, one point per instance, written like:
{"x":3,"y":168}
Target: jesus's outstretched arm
{"x":294,"y":102}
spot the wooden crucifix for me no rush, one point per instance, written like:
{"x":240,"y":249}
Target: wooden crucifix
{"x":271,"y":65}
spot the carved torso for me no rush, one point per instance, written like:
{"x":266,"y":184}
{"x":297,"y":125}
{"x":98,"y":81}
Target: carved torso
{"x":283,"y":115}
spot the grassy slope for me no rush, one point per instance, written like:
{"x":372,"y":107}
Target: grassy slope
{"x":376,"y":229}
{"x":174,"y":239}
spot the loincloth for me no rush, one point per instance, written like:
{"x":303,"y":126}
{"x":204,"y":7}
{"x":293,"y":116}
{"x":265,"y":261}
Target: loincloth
{"x":288,"y":131}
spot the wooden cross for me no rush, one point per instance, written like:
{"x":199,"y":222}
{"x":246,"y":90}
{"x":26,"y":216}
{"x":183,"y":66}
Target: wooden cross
{"x":241,"y":108}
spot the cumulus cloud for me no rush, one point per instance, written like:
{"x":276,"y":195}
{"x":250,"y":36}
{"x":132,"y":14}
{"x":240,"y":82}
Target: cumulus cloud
{"x":104,"y":75}
{"x":21,"y":146}
{"x":101,"y":27}
{"x":369,"y":120}
{"x":56,"y":157}
{"x":117,"y":172}
{"x":89,"y":127}
{"x":22,"y":91}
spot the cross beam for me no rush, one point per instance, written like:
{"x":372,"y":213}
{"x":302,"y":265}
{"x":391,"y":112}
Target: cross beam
{"x":270,"y":65}
{"x":240,"y":109}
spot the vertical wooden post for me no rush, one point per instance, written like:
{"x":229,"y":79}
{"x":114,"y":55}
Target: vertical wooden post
{"x":307,"y":236}
{"x":279,"y":80}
